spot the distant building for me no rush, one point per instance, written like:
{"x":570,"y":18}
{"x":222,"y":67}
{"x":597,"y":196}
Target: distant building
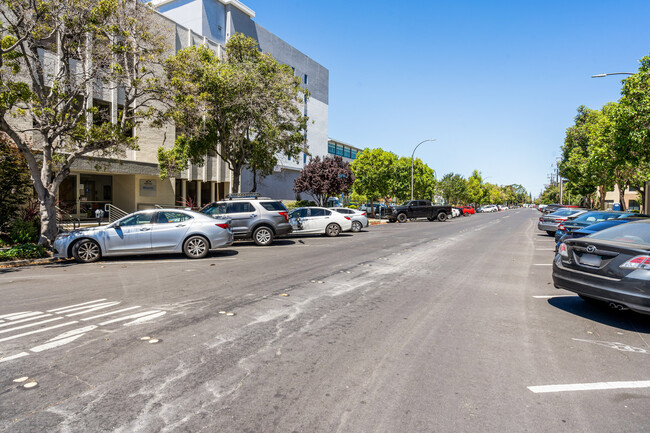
{"x":338,"y":148}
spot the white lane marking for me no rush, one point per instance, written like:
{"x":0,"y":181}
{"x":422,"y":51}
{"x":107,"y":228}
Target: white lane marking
{"x":146,"y":318}
{"x":95,"y":308}
{"x":29,"y":325}
{"x":74,"y":332}
{"x":25,"y":320}
{"x":16,"y":356}
{"x":56,"y":343}
{"x":111,"y":312}
{"x":590,"y":386}
{"x":542,"y":264}
{"x":544,"y":249}
{"x":7,"y":316}
{"x":551,"y":296}
{"x":22,"y":316}
{"x":132,"y":316}
{"x":85,"y":307}
{"x":37,"y":331}
{"x":76,"y":305}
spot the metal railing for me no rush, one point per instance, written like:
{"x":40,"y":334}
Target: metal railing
{"x":66,"y":222}
{"x":114,"y":212}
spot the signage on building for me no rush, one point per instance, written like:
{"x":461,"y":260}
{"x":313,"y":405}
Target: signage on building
{"x":147,"y":187}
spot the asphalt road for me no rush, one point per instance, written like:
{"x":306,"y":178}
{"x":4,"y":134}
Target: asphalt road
{"x":415,"y":327}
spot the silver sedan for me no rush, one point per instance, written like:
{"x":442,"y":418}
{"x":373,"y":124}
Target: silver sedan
{"x":147,"y":232}
{"x":359,"y":218}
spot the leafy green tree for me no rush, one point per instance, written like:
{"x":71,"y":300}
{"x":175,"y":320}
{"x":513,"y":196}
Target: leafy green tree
{"x":475,"y":188}
{"x":14,"y":182}
{"x":374,"y":171}
{"x":550,"y":195}
{"x":244,"y":108}
{"x":324,"y":178}
{"x":453,"y":188}
{"x":46,"y":107}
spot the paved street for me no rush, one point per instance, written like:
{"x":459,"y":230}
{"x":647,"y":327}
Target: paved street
{"x":415,"y":327}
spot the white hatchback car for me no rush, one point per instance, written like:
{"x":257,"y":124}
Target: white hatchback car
{"x":319,"y":220}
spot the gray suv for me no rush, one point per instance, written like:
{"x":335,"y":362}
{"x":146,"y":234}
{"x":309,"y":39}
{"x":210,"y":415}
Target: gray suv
{"x":257,"y":218}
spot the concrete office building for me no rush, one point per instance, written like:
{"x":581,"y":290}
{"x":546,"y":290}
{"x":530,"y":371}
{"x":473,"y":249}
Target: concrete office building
{"x":217,"y":20}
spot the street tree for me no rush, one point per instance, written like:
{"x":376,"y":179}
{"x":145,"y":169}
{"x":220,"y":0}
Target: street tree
{"x":55,"y":56}
{"x":475,"y":188}
{"x":325,"y":178}
{"x":453,"y":188}
{"x":246,"y":108}
{"x":374,"y":171}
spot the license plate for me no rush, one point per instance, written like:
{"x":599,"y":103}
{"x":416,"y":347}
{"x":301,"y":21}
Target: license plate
{"x":590,"y":260}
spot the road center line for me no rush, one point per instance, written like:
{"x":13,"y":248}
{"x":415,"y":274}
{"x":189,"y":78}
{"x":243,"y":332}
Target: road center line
{"x":590,"y":386}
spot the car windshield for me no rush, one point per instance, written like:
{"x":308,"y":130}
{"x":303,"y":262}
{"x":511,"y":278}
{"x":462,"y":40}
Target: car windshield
{"x":273,"y":206}
{"x":592,"y":217}
{"x":565,"y":212}
{"x":636,"y":233}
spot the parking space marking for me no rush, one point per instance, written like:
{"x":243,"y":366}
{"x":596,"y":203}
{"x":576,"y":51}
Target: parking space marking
{"x":37,"y":331}
{"x":590,"y":386}
{"x":542,"y":264}
{"x":544,"y":249}
{"x":155,"y":262}
{"x":132,"y":316}
{"x":110,"y":312}
{"x":42,"y":316}
{"x":25,"y":314}
{"x":16,"y":356}
{"x":615,"y":345}
{"x":29,"y":325}
{"x":550,"y":296}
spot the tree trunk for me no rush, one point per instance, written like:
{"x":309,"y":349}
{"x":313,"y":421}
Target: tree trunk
{"x":621,"y":196}
{"x":49,"y":229}
{"x":602,"y":191}
{"x":372,"y":206}
{"x":236,"y":179}
{"x":254,"y":181}
{"x":641,"y":192}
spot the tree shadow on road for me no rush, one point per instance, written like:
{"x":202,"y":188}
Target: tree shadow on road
{"x":600,"y":312}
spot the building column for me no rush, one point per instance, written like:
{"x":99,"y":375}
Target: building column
{"x":183,"y":191}
{"x":198,"y":193}
{"x":212,"y":188}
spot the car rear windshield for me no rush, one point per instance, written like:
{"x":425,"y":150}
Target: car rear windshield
{"x":591,"y":217}
{"x":273,"y":206}
{"x":564,"y":213}
{"x":637,"y":233}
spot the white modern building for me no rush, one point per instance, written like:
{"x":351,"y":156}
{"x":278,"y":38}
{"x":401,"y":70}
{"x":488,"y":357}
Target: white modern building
{"x":132,"y":182}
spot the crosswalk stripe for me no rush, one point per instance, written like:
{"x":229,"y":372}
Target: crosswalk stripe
{"x":111,"y":312}
{"x":24,"y":320}
{"x":29,"y":325}
{"x":75,"y":305}
{"x":7,"y":316}
{"x":132,"y":316}
{"x":95,"y":308}
{"x":37,"y":331}
{"x":23,"y":315}
{"x":16,"y":356}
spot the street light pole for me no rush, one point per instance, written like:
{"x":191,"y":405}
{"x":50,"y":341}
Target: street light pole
{"x":412,"y":154}
{"x":612,"y":73}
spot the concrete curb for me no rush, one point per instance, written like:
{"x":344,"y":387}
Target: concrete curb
{"x":18,"y":263}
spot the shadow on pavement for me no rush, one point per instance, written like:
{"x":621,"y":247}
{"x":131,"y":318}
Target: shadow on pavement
{"x":600,"y":312}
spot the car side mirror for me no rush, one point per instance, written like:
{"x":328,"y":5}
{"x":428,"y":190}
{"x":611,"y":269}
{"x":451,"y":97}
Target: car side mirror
{"x":116,"y":225}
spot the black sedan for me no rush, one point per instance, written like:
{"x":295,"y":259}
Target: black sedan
{"x":612,"y":265}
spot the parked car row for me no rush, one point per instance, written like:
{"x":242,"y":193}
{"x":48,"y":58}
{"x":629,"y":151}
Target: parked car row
{"x":193,"y":233}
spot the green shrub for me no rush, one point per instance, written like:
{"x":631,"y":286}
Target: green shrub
{"x":301,"y":203}
{"x":23,"y":232}
{"x":25,"y":251}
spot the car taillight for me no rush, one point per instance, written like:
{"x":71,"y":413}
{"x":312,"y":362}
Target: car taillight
{"x":562,"y":249}
{"x":347,"y":218}
{"x":223,"y":225}
{"x":560,"y":220}
{"x":561,"y":227}
{"x":639,"y":262}
{"x":540,"y":219}
{"x":285,"y":215}
{"x":363,"y":214}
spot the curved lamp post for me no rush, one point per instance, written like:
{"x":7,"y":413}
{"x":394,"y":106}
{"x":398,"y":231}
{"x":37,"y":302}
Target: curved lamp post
{"x":424,"y":141}
{"x":612,"y":73}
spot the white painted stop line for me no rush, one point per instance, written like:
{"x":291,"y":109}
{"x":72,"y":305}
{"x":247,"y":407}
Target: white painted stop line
{"x":590,"y":386}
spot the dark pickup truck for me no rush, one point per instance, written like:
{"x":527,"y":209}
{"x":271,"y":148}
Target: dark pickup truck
{"x":418,"y":209}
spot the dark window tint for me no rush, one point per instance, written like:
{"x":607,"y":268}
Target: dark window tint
{"x":240,"y":207}
{"x":315,"y":212}
{"x":633,"y":233}
{"x":138,"y":219}
{"x":172,"y":217}
{"x":216,"y":209}
{"x":273,"y":205}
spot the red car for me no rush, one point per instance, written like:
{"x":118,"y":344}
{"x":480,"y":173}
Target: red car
{"x":467,"y":210}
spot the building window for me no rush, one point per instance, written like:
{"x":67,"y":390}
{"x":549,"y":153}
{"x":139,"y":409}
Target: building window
{"x":346,"y":152}
{"x":304,"y":158}
{"x":331,"y":148}
{"x":353,"y":154}
{"x":634,"y":205}
{"x":339,"y":150}
{"x":305,"y":80}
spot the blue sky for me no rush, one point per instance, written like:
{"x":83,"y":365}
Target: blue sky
{"x":495,"y":83}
